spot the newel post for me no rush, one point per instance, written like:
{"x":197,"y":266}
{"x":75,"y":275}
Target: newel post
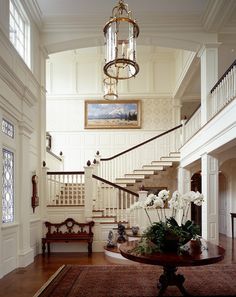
{"x":141,"y":217}
{"x":88,"y":185}
{"x":44,"y":190}
{"x":183,"y":132}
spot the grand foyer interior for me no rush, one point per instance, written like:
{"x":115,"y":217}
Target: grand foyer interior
{"x":183,"y":50}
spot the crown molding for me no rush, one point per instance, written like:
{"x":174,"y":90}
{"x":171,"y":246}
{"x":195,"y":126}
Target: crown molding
{"x":217,"y":13}
{"x":35,"y":12}
{"x":95,"y":24}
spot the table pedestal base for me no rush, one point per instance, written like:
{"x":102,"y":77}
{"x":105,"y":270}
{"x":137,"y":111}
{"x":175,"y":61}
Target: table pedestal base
{"x":170,"y":278}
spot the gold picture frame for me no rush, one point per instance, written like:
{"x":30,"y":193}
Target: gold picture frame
{"x":118,"y":114}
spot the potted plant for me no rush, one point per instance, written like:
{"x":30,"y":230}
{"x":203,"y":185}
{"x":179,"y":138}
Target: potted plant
{"x":169,"y":235}
{"x":165,"y":234}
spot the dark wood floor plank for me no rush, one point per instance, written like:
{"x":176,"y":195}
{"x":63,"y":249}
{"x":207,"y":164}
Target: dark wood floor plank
{"x":24,"y":282}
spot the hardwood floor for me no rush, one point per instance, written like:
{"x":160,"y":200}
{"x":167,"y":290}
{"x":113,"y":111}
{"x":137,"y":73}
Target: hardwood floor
{"x":24,"y":282}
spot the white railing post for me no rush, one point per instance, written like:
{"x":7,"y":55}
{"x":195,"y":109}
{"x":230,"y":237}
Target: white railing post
{"x":62,"y":161}
{"x":44,"y":190}
{"x":183,"y":132}
{"x":88,"y":191}
{"x":95,"y":182}
{"x":99,"y":164}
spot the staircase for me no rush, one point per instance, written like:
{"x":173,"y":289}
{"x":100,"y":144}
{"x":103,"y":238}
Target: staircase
{"x":131,"y":167}
{"x":106,"y":198}
{"x":138,"y":175}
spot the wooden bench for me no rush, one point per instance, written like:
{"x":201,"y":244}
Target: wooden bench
{"x":68,"y":231}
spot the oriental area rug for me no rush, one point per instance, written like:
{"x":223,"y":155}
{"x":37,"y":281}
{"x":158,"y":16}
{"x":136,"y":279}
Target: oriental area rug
{"x":137,"y":281}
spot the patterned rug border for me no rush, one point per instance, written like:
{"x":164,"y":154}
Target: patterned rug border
{"x":46,"y":289}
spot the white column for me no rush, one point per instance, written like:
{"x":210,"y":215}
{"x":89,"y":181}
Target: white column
{"x":209,"y":75}
{"x":184,"y":180}
{"x":88,"y":192}
{"x":210,"y":190}
{"x":43,"y":185}
{"x":25,"y":255}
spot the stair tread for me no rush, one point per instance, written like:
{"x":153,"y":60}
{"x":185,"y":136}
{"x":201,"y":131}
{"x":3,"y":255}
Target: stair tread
{"x":160,"y":161}
{"x":153,"y":167}
{"x":135,"y":175}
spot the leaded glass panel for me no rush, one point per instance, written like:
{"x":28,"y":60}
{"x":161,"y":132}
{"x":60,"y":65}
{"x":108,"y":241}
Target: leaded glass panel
{"x":7,"y":128}
{"x":8,"y":186}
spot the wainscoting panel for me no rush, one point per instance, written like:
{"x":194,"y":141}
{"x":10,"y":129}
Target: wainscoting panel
{"x":9,"y":249}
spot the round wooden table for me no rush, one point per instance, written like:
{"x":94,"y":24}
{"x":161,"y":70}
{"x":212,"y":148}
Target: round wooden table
{"x":208,"y":254}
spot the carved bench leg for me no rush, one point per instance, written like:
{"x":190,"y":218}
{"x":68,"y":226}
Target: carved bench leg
{"x":43,"y":246}
{"x":90,"y":249}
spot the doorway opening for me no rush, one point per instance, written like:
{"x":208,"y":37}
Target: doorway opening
{"x":196,"y":211}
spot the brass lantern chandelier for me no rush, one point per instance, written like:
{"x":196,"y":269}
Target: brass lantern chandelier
{"x":110,"y":88}
{"x":120,"y":34}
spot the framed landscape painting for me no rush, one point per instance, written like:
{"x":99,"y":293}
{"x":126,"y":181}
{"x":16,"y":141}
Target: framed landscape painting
{"x":119,"y":114}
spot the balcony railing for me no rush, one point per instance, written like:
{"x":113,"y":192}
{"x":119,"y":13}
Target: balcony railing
{"x":223,"y":92}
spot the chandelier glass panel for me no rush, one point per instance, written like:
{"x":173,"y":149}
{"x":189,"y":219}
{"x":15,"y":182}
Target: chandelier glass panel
{"x":120,"y":34}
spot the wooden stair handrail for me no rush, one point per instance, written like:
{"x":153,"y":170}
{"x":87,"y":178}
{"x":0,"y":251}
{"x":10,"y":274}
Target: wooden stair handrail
{"x":223,"y":76}
{"x":114,"y":185}
{"x":142,"y":143}
{"x":64,"y":172}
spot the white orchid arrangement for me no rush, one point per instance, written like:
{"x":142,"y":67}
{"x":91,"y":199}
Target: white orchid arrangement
{"x":153,"y":202}
{"x":163,"y":232}
{"x":177,"y":202}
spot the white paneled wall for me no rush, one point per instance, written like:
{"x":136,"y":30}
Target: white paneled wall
{"x":22,"y":97}
{"x":76,"y":76}
{"x":9,"y":243}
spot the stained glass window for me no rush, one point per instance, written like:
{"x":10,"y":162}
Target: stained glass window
{"x":7,"y":128}
{"x":8,"y":186}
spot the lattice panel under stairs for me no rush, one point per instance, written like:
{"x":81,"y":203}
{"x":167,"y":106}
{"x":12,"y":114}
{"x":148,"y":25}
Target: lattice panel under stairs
{"x":71,"y":194}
